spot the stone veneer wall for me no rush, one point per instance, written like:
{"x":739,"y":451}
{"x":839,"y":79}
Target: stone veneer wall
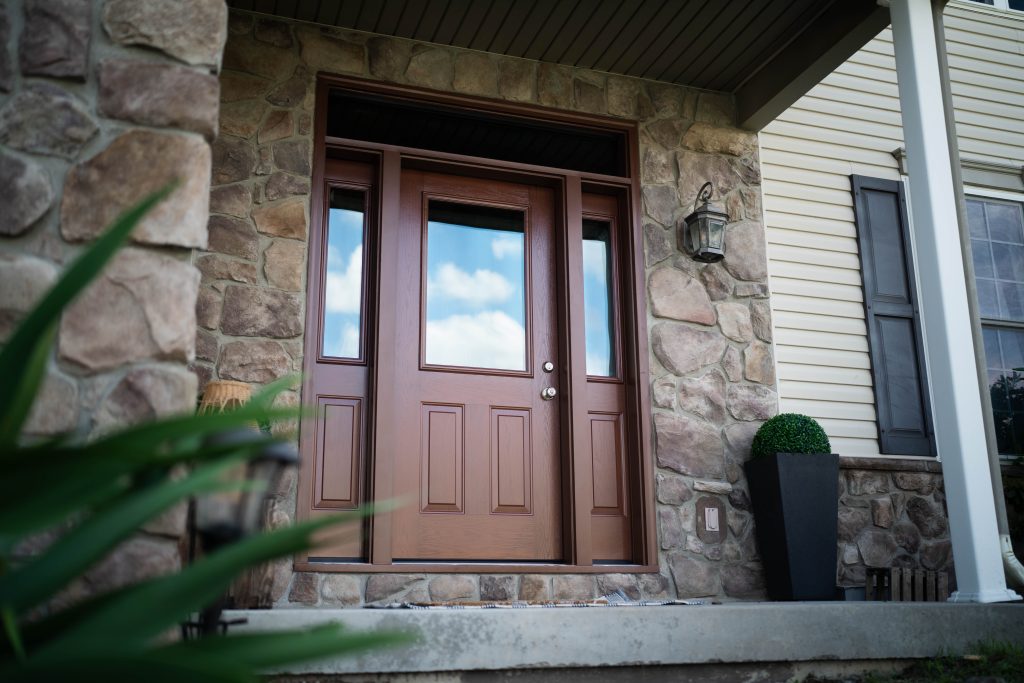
{"x":102,"y":103}
{"x":710,"y":331}
{"x":892,"y":513}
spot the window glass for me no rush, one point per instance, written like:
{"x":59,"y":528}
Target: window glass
{"x":597,"y":298}
{"x":343,"y":278}
{"x":997,"y":232}
{"x":476,"y":294}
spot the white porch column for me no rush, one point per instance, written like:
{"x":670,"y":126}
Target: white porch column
{"x":959,"y":430}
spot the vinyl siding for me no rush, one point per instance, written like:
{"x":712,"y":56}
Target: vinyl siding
{"x":850,"y":124}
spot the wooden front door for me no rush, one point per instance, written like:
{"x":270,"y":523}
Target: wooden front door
{"x":476,"y":463}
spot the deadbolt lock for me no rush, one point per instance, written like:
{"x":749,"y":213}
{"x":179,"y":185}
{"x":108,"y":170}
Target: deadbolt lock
{"x":548,"y":366}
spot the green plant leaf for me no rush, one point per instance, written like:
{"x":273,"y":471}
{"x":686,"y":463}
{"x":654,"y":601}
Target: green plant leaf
{"x":268,"y":650}
{"x":23,"y":359}
{"x":153,"y":606}
{"x":91,"y":540}
{"x":110,"y":663}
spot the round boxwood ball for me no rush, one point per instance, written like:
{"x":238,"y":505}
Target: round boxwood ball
{"x":790,"y":433}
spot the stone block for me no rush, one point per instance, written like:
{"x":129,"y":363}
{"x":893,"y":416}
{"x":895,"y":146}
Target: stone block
{"x":740,"y":500}
{"x":658,"y":244}
{"x":663,"y":392}
{"x":241,"y":119}
{"x":695,"y":169}
{"x":751,"y":402}
{"x":207,"y":346}
{"x":682,"y":349}
{"x":273,"y":32}
{"x":667,"y":132}
{"x":293,"y":156}
{"x":145,"y":394}
{"x":535,"y":587}
{"x":342,"y":590}
{"x":283,"y":219}
{"x":234,"y":160}
{"x":608,"y":584}
{"x":46,"y":119}
{"x":126,"y":315}
{"x":260,"y":59}
{"x":719,"y":487}
{"x":305,"y":589}
{"x":866,"y":482}
{"x":284,"y":262}
{"x":134,"y":165}
{"x":279,"y":124}
{"x":234,"y":237}
{"x":937,"y":555}
{"x":572,"y":587}
{"x":704,"y":137}
{"x":282,"y":185}
{"x":716,"y":108}
{"x":757,"y":290}
{"x":743,"y":581}
{"x":55,"y":409}
{"x":218,"y":267}
{"x":761,"y":319}
{"x":554,"y":85}
{"x":232,"y":200}
{"x":882,"y":512}
{"x":672,"y":490}
{"x":622,"y":96}
{"x":676,"y":295}
{"x":877,"y":548}
{"x":193,"y":31}
{"x":732,"y":365}
{"x":209,"y":304}
{"x":851,"y":522}
{"x":236,"y":86}
{"x":431,"y":67}
{"x":734,"y":320}
{"x":703,"y":396}
{"x":322,"y":51}
{"x":907,"y":536}
{"x":517,"y":80}
{"x":589,"y":96}
{"x":24,"y":280}
{"x":667,"y":100}
{"x":55,"y":38}
{"x":738,"y":439}
{"x":389,"y":587}
{"x":670,"y":529}
{"x":689,"y":446}
{"x":717,"y":282}
{"x":388,"y":58}
{"x":499,"y":588}
{"x":745,"y":246}
{"x":137,"y":559}
{"x":259,"y":312}
{"x":452,"y":588}
{"x":475,"y":73}
{"x":293,"y":91}
{"x":921,"y":482}
{"x":927,"y":516}
{"x":253,"y":361}
{"x":161,"y":95}
{"x":654,"y":586}
{"x":6,"y":66}
{"x":759,"y":364}
{"x":694,"y":578}
{"x":661,"y":202}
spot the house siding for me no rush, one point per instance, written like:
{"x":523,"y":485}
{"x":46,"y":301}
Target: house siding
{"x":850,"y":124}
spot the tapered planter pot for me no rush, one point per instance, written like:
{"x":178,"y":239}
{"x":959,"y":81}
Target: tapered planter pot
{"x":796,"y":508}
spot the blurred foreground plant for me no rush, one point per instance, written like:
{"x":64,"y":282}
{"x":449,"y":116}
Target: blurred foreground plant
{"x":94,"y":495}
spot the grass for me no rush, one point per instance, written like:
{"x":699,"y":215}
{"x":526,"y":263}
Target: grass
{"x":985,"y":663}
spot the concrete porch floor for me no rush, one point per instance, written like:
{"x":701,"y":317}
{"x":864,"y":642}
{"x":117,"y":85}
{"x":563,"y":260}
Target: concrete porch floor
{"x":826,"y":636}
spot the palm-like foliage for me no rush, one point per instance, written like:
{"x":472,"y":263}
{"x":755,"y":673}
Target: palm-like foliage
{"x":97,"y":494}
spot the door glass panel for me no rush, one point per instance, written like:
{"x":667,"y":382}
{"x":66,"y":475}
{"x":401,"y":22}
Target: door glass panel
{"x":475,"y":285}
{"x":597,"y":298}
{"x":343,"y":278}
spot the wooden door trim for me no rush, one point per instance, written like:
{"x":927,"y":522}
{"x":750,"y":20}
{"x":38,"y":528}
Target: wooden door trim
{"x":634,"y":365}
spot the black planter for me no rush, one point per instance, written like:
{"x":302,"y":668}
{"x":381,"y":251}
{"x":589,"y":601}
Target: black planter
{"x":796,"y":508}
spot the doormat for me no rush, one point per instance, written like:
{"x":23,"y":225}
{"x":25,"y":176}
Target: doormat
{"x":617,"y":599}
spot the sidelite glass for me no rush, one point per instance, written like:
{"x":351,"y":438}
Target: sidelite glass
{"x":597,"y":298}
{"x":343,"y":276}
{"x":475,"y":287}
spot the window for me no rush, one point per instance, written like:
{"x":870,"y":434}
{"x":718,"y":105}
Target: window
{"x":475,"y":338}
{"x":997,"y":244}
{"x":1003,"y":4}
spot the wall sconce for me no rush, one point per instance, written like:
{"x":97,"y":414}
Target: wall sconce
{"x":702,"y":236}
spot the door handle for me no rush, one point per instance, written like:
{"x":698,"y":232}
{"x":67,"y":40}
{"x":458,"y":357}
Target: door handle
{"x":548,"y":393}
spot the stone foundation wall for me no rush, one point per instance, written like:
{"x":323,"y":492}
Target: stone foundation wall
{"x":892,"y":513}
{"x":102,"y":103}
{"x":713,"y":377}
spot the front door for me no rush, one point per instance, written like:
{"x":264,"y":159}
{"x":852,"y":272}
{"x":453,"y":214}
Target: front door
{"x":476,"y":461}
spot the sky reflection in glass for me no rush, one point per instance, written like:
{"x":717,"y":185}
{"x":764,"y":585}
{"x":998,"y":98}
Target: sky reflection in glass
{"x":343,"y":281}
{"x":597,"y":298}
{"x":476,"y":299}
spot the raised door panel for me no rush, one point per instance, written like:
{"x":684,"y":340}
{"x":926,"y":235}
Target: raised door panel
{"x":511,"y":461}
{"x":442,"y":458}
{"x":338,"y":450}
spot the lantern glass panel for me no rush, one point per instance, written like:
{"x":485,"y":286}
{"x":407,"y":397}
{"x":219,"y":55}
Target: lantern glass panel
{"x":716,"y":233}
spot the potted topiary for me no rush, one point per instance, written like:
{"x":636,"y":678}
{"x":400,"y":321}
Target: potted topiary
{"x":794,"y":488}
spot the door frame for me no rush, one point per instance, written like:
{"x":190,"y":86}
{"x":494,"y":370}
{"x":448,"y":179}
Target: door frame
{"x":569,"y":187}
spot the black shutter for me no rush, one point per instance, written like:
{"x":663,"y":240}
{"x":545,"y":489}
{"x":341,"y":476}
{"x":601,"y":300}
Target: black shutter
{"x":893,"y":319}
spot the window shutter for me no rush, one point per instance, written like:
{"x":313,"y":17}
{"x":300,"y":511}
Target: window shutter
{"x":893,"y":320}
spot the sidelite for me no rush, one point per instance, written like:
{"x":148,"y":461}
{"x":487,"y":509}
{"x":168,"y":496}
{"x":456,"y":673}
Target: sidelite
{"x":475,"y":341}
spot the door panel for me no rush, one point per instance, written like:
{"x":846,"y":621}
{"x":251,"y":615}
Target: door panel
{"x":477,"y":446}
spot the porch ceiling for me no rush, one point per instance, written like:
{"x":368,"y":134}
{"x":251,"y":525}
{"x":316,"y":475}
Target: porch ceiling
{"x":758,"y":50}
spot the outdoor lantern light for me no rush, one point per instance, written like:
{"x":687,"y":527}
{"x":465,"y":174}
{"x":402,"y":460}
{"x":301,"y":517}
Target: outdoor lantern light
{"x":703,"y":232}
